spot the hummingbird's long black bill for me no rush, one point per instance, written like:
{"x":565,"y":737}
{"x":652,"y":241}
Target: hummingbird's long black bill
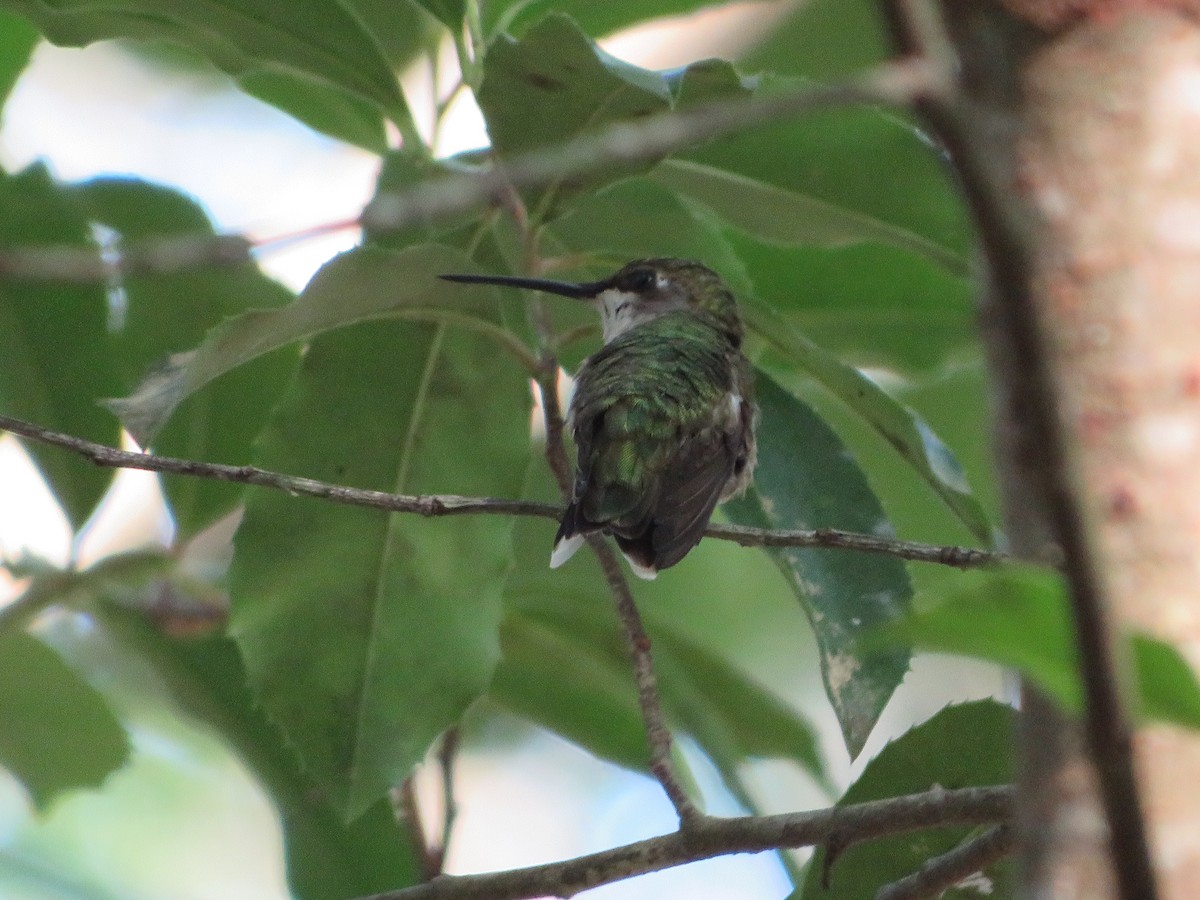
{"x":585,"y":291}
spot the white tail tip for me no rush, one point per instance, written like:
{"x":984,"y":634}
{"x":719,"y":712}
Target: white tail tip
{"x":643,"y":572}
{"x":565,"y":549}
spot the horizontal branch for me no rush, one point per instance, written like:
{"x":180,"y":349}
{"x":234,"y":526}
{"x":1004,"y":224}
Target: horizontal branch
{"x":455,"y":505}
{"x":710,"y":837}
{"x":624,"y":143}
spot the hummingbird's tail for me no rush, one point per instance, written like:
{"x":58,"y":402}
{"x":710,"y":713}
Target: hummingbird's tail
{"x":574,"y":529}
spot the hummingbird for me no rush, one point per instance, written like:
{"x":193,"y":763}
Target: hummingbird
{"x":663,"y":415}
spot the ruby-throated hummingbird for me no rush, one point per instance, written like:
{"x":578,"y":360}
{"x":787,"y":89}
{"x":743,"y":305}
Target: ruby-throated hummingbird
{"x":663,"y":414}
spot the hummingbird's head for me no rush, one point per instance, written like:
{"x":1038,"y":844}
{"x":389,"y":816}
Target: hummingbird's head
{"x":640,"y":291}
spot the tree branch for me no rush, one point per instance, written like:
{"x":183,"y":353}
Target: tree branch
{"x":454,"y":505}
{"x":710,"y":837}
{"x":624,"y":143}
{"x":658,"y":734}
{"x":941,"y":873}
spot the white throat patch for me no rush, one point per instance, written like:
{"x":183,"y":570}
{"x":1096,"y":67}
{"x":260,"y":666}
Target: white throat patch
{"x":618,"y":312}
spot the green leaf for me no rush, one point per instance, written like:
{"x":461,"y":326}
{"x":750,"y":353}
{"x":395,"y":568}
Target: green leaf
{"x":1020,"y":617}
{"x":54,"y":342}
{"x":872,"y":304}
{"x":968,"y":745}
{"x":779,"y":216}
{"x":366,"y":635}
{"x":449,"y":12}
{"x":326,"y":858}
{"x":401,"y":28}
{"x":59,"y":733}
{"x":17,"y":40}
{"x":157,"y":315}
{"x":597,"y":19}
{"x":321,"y":106}
{"x":805,"y":479}
{"x":554,"y":85}
{"x":864,"y":161}
{"x":823,"y":39}
{"x":360,"y":285}
{"x":566,"y":666}
{"x":913,"y":439}
{"x":638,"y":218}
{"x":327,"y":42}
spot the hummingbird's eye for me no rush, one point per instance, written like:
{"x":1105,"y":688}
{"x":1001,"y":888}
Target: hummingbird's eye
{"x":642,"y":279}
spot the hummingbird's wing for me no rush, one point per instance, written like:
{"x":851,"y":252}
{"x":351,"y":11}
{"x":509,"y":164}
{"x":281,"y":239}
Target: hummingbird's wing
{"x":650,"y":475}
{"x":689,"y":490}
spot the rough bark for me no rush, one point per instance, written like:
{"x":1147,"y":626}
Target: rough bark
{"x":1111,"y":162}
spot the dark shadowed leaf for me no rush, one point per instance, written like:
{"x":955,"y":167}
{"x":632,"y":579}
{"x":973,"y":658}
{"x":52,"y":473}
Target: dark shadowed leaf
{"x":555,"y":84}
{"x":327,"y":42}
{"x":449,"y":12}
{"x":806,"y":479}
{"x":157,"y":315}
{"x":779,"y":216}
{"x":326,"y":858}
{"x":863,"y":161}
{"x":54,"y":341}
{"x":823,"y":39}
{"x":597,"y":19}
{"x":401,"y":28}
{"x":366,"y":635}
{"x":59,"y":733}
{"x":17,"y":40}
{"x":321,"y":106}
{"x":913,"y":439}
{"x":360,"y":285}
{"x":640,"y":218}
{"x":962,"y":746}
{"x":869,"y":303}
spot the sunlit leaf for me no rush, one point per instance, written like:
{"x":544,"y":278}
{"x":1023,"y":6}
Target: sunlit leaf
{"x":360,"y":285}
{"x":326,"y":858}
{"x":366,"y":635}
{"x":151,"y":316}
{"x":59,"y":733}
{"x":1019,"y":617}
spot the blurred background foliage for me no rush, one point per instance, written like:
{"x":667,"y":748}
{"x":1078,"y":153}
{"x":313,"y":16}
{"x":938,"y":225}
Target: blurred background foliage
{"x":305,"y":658}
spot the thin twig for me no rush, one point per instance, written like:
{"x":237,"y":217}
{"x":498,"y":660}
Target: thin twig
{"x":958,"y":557}
{"x":431,"y":505}
{"x":941,"y":873}
{"x":1007,"y":242}
{"x":712,"y":837}
{"x":625,"y":143}
{"x":658,"y":734}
